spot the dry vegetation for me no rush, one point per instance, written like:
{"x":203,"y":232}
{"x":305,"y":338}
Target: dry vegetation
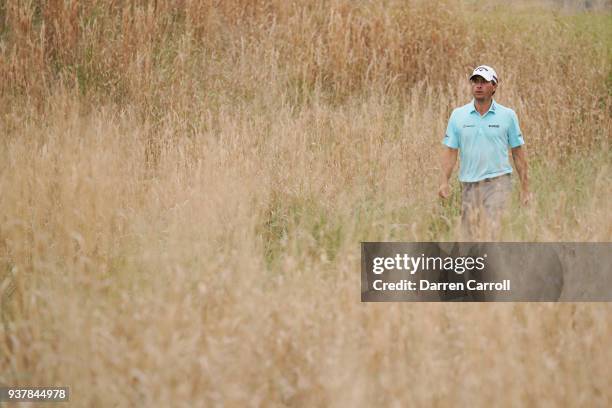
{"x":184,"y":186}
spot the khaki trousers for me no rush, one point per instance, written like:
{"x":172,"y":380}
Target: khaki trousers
{"x":482,"y":207}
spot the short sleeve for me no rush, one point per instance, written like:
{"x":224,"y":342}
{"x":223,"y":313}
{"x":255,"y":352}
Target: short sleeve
{"x":451,"y":138}
{"x":515,"y":137}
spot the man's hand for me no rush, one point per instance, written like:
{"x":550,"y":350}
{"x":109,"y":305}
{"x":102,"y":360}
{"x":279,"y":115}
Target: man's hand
{"x":444,"y":191}
{"x":519,"y":155}
{"x":526,"y":197}
{"x":448,"y":160}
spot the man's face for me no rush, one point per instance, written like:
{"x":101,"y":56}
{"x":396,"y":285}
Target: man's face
{"x":482,"y":89}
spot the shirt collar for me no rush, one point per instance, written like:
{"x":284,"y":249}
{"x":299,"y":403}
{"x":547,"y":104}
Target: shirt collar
{"x":491,"y":108}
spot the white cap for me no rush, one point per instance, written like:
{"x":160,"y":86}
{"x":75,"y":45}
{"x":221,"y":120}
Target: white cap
{"x":486,"y":72}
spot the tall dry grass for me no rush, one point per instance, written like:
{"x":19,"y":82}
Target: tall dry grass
{"x":184,"y":186}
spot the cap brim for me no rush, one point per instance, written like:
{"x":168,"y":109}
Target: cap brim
{"x":483,"y":77}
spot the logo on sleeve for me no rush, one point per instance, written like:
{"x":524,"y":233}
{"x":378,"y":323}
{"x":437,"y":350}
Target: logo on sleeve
{"x":466,"y":126}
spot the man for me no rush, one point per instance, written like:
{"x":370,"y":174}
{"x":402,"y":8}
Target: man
{"x":481,"y":132}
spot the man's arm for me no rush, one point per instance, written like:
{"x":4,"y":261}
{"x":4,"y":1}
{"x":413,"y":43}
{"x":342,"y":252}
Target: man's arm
{"x":519,"y":155}
{"x":449,"y":158}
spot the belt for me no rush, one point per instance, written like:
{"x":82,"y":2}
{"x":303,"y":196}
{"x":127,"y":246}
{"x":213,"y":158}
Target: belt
{"x":487,"y":180}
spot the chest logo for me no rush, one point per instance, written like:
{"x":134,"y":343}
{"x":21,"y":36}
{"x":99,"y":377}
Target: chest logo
{"x":495,"y":126}
{"x":465,"y":126}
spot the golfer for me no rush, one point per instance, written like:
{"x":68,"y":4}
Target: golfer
{"x":481,"y":132}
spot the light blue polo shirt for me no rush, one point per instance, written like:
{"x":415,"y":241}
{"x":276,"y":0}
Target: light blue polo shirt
{"x":483,"y":140}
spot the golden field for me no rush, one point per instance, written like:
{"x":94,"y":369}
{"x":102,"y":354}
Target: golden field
{"x":184,"y":186}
